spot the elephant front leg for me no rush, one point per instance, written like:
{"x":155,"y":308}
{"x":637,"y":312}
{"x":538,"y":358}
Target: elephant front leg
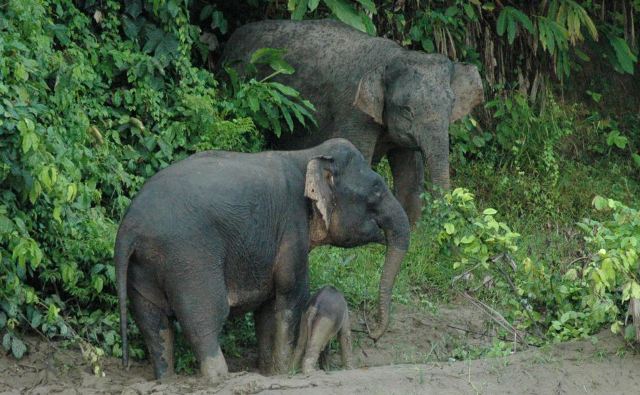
{"x":287,"y":316}
{"x":407,"y":168}
{"x":291,"y":285}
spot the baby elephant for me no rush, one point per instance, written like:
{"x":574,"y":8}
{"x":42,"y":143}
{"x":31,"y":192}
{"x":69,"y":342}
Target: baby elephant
{"x":326,"y":315}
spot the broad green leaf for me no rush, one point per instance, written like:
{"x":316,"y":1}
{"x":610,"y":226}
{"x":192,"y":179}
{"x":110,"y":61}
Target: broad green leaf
{"x":313,"y":4}
{"x":6,"y":225}
{"x":523,"y":19}
{"x":599,"y":202}
{"x":132,"y":27}
{"x":36,"y":319}
{"x":154,"y":37}
{"x":468,"y":239}
{"x":571,"y":274}
{"x":299,"y":10}
{"x":615,"y":138}
{"x":368,"y":5}
{"x":218,"y":21}
{"x":206,"y":12}
{"x":18,"y":348}
{"x":6,"y":341}
{"x":133,"y":7}
{"x":281,"y":66}
{"x":451,"y":11}
{"x":489,"y":211}
{"x":616,"y":327}
{"x":636,"y":159}
{"x":608,"y":273}
{"x":172,"y":8}
{"x":346,"y":13}
{"x":449,"y":228}
{"x":285,"y":89}
{"x":468,"y":9}
{"x":97,"y":282}
{"x":625,"y":57}
{"x":511,"y":29}
{"x":502,"y":21}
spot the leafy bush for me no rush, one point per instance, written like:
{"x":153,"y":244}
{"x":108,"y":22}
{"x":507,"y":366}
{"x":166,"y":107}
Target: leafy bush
{"x":469,"y":237}
{"x":612,"y":270}
{"x":521,"y":151}
{"x":94,"y":101}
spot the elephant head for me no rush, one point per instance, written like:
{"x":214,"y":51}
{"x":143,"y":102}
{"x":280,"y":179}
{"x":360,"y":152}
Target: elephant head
{"x":352,"y":206}
{"x":415,"y":96}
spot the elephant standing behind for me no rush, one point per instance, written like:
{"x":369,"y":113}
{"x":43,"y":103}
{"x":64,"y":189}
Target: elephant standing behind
{"x":385,"y":99}
{"x":225,"y":232}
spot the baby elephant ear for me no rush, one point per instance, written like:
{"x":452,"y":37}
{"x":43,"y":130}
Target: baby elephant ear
{"x":319,"y":186}
{"x":370,"y":95}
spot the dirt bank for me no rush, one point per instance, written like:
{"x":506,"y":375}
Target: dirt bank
{"x":414,"y":357}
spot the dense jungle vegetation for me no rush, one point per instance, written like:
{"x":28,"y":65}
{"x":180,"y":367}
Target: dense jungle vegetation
{"x":543,"y":224}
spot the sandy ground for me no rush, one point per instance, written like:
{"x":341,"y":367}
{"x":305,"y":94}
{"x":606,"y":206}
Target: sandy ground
{"x":414,"y":357}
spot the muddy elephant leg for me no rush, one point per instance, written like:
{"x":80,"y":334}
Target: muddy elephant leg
{"x":157,"y":332}
{"x":407,"y":168}
{"x":264,"y":319}
{"x":201,"y":306}
{"x":291,"y":295}
{"x":344,"y":336}
{"x":303,"y":335}
{"x":322,"y":330}
{"x":323,"y":361}
{"x":287,"y":317}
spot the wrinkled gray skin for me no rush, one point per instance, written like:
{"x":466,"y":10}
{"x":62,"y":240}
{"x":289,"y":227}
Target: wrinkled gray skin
{"x":383,"y":98}
{"x":223,"y":232}
{"x":326,"y":316}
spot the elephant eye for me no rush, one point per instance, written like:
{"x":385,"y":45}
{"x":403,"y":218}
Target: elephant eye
{"x":407,"y":112}
{"x":375,"y":196}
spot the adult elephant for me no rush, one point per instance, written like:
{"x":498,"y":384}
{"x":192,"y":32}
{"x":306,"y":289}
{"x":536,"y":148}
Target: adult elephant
{"x":223,"y":232}
{"x":385,"y":99}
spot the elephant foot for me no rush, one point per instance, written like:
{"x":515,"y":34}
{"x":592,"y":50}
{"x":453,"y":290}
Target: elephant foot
{"x":214,"y":369}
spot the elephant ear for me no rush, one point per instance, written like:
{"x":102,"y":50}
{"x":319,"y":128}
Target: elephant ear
{"x":319,"y":186}
{"x":370,"y":95}
{"x":467,"y":89}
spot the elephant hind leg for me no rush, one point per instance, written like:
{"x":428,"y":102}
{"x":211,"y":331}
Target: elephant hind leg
{"x":199,"y":300}
{"x":322,"y":330}
{"x":344,"y":336}
{"x":157,"y":331}
{"x":323,"y":361}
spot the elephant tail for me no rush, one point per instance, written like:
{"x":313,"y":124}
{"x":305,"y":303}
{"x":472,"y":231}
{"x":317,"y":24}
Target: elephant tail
{"x":123,"y":250}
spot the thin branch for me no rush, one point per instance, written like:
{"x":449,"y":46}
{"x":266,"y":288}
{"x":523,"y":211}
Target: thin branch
{"x":495,"y":316}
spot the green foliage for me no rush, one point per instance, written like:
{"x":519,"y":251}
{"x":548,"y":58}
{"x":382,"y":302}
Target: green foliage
{"x":524,"y":142}
{"x":354,"y":13}
{"x":613,"y":266}
{"x":469,"y":237}
{"x":97,"y":97}
{"x":269,"y":103}
{"x":508,"y":21}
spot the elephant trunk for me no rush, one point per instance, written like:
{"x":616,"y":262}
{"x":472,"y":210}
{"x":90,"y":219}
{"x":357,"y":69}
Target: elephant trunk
{"x":437,"y":157}
{"x":395,"y":224}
